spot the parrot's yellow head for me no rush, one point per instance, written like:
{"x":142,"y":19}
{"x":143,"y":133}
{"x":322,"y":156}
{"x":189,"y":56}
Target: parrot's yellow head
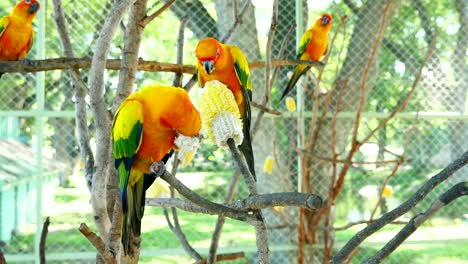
{"x":325,"y":21}
{"x":26,"y":8}
{"x":208,"y":51}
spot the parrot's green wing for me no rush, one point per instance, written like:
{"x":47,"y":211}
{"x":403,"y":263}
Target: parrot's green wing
{"x":305,"y":40}
{"x":4,"y":21}
{"x":127,"y":135}
{"x":242,"y":69}
{"x":241,"y":66}
{"x":31,"y":41}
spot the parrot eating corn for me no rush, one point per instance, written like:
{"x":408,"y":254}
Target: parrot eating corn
{"x":16,"y":32}
{"x":228,"y":65}
{"x":313,"y":45}
{"x":144,"y":130}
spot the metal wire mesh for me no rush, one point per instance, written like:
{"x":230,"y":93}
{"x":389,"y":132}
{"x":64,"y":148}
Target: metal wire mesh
{"x":438,"y":135}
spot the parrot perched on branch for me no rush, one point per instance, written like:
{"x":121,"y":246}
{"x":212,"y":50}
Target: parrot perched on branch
{"x":228,"y":65}
{"x":313,"y":45}
{"x":16,"y":32}
{"x":143,"y":131}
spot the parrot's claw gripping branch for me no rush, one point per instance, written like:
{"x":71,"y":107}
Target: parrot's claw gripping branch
{"x":157,"y":169}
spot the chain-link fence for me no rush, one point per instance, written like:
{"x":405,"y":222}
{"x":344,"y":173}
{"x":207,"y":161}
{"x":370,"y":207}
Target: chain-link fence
{"x":41,"y":173}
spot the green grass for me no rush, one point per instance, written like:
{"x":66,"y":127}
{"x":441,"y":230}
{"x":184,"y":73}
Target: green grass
{"x":71,"y":207}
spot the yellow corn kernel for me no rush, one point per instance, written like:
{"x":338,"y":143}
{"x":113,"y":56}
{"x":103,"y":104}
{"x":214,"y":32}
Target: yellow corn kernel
{"x":157,"y":189}
{"x":220,"y":114}
{"x":268,"y":165}
{"x":290,"y":104}
{"x":387,"y":191}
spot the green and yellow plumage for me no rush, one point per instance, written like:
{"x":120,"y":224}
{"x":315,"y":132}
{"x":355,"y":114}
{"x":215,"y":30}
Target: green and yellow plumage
{"x":227,"y":64}
{"x":143,"y":132}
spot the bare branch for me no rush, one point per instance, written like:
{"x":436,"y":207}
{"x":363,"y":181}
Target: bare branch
{"x":251,"y":203}
{"x":114,"y":64}
{"x":151,"y":17}
{"x":348,"y":225}
{"x":80,"y":95}
{"x":259,"y":223}
{"x":102,"y":117}
{"x":457,"y":191}
{"x":197,"y":199}
{"x":129,"y":64}
{"x":237,"y":21}
{"x":224,"y":257}
{"x":212,"y":256}
{"x":97,"y":242}
{"x":42,"y":244}
{"x":180,"y":51}
{"x":176,"y":228}
{"x":419,"y":195}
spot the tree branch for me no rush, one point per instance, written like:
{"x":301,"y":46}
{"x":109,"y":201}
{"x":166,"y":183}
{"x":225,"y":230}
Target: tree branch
{"x":427,"y":187}
{"x":254,"y":202}
{"x":237,"y":21}
{"x":197,"y":199}
{"x":102,"y":117}
{"x":22,"y":66}
{"x":151,"y":17}
{"x":97,"y":242}
{"x":80,"y":95}
{"x":42,"y":244}
{"x":457,"y":191}
{"x":129,"y":63}
{"x":212,"y":256}
{"x":180,"y":51}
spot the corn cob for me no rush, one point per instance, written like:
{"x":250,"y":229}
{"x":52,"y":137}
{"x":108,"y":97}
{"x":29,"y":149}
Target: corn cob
{"x":290,"y":104}
{"x":187,"y":147}
{"x":268,"y":165}
{"x":157,"y":189}
{"x":220,"y":114}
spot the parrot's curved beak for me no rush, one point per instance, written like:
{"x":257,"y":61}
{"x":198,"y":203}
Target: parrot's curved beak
{"x":34,"y":7}
{"x":208,"y":65}
{"x":325,"y":20}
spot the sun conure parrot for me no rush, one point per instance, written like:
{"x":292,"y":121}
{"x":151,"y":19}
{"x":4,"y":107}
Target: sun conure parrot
{"x":227,"y":64}
{"x":143,"y":132}
{"x":313,"y":45}
{"x":16,"y":32}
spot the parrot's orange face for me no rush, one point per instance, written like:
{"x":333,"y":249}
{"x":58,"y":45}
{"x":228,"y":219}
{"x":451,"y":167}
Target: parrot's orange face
{"x":29,"y":7}
{"x":325,"y":20}
{"x":208,"y":51}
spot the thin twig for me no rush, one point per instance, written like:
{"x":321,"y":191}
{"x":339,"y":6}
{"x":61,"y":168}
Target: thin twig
{"x":259,"y":223}
{"x":42,"y":244}
{"x":236,"y":23}
{"x":394,"y":171}
{"x":80,"y":95}
{"x":212,"y":256}
{"x":180,"y":51}
{"x":176,"y":228}
{"x":97,"y":242}
{"x":457,"y":191}
{"x":349,"y":225}
{"x":2,"y":257}
{"x":151,"y":17}
{"x":197,"y":199}
{"x":224,"y":257}
{"x":418,"y":196}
